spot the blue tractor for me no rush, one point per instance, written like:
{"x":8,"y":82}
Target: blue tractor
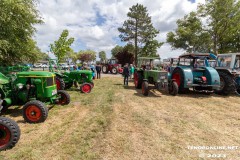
{"x":228,"y":67}
{"x":191,"y":72}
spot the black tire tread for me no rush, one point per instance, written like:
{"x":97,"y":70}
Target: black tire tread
{"x":62,"y":83}
{"x":229,"y":84}
{"x":146,"y":88}
{"x":15,"y":132}
{"x":66,"y":94}
{"x":41,"y":105}
{"x":140,"y":80}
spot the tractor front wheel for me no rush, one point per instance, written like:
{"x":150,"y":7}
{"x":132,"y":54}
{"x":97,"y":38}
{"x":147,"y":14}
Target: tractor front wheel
{"x":173,"y":88}
{"x":9,"y":133}
{"x":35,"y":112}
{"x":114,"y":70}
{"x":145,"y":89}
{"x":86,"y":88}
{"x":64,"y":97}
{"x":60,"y":83}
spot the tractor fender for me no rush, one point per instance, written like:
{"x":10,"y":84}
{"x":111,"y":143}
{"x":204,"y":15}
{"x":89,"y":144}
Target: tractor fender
{"x":188,"y":76}
{"x":58,"y":74}
{"x":212,"y":77}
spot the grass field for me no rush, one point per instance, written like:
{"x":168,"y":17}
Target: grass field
{"x":117,"y":122}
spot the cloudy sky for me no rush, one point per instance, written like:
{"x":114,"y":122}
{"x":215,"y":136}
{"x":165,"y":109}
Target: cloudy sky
{"x":94,"y":23}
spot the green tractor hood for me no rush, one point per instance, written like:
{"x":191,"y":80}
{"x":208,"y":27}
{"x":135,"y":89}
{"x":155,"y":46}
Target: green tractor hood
{"x":3,"y":79}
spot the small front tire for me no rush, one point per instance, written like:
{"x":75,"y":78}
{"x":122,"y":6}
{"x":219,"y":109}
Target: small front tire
{"x":64,"y":97}
{"x":35,"y":112}
{"x":145,"y":88}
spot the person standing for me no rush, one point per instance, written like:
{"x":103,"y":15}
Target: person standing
{"x":126,"y":74}
{"x":131,"y":71}
{"x":98,"y":69}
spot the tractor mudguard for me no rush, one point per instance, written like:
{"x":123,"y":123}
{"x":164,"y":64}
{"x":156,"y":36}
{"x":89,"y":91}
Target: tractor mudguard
{"x":212,"y":77}
{"x":188,"y":76}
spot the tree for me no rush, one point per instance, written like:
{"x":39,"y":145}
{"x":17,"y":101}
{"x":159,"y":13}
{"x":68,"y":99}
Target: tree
{"x":150,"y":49}
{"x":138,"y":28}
{"x":17,"y":20}
{"x":115,"y":50}
{"x":190,"y":35}
{"x":62,"y":45}
{"x":102,"y":56}
{"x":219,"y":33}
{"x":34,"y":54}
{"x":126,"y":55}
{"x":86,"y":56}
{"x":222,"y":20}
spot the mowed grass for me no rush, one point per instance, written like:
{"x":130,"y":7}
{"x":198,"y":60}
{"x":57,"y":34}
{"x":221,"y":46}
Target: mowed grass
{"x":117,"y":122}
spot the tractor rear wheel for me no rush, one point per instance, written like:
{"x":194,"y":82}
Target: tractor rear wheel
{"x":226,"y":84}
{"x":60,"y":83}
{"x":138,"y":78}
{"x":64,"y":97}
{"x":178,"y":76}
{"x":105,"y":69}
{"x":9,"y":133}
{"x":114,"y":70}
{"x":173,"y":88}
{"x":145,"y":89}
{"x":86,"y":88}
{"x":35,"y":112}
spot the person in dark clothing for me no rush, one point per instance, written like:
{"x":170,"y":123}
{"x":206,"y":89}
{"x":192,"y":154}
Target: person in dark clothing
{"x":126,"y":74}
{"x":98,"y":69}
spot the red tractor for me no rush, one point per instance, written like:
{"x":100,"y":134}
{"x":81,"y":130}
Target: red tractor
{"x":112,"y":66}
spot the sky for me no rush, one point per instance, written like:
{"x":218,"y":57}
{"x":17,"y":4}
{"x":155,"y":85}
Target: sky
{"x":94,"y":23}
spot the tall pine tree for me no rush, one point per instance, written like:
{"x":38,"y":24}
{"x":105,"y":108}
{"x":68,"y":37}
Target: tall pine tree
{"x":138,"y":29}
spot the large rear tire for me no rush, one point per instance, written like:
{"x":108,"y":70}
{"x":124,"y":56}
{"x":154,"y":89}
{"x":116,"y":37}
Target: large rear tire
{"x":35,"y":112}
{"x":9,"y":133}
{"x":64,"y":97}
{"x":60,"y":83}
{"x":105,"y":69}
{"x":226,"y":84}
{"x":178,"y":77}
{"x":145,"y":88}
{"x":138,"y":79}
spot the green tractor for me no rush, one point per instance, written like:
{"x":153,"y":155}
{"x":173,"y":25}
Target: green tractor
{"x":31,"y":89}
{"x":9,"y":133}
{"x":150,"y":74}
{"x":66,"y":80}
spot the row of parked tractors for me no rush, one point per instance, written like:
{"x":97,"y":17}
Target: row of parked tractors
{"x":200,"y":72}
{"x":34,"y":90}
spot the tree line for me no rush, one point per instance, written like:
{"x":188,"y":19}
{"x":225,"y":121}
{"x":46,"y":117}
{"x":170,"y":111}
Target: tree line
{"x":214,"y":27}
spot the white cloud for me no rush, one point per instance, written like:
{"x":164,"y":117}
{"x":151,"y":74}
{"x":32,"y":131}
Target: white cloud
{"x":81,"y":18}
